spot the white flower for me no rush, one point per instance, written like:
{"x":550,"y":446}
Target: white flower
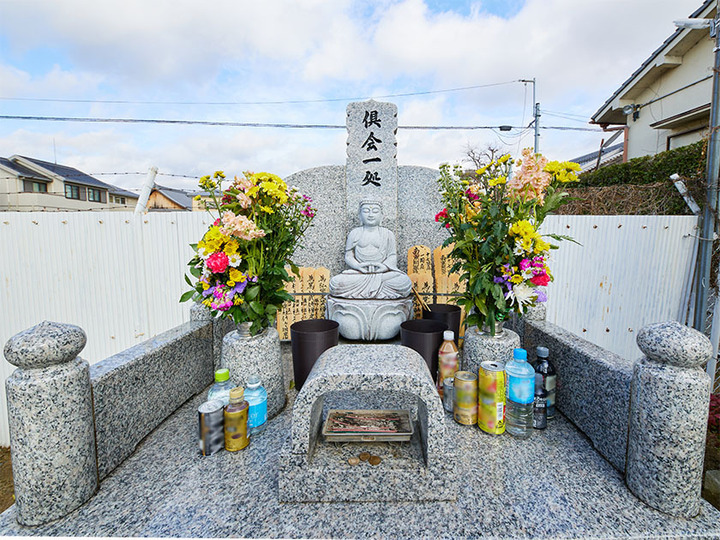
{"x":522,"y":295}
{"x":234,"y":260}
{"x":204,"y":253}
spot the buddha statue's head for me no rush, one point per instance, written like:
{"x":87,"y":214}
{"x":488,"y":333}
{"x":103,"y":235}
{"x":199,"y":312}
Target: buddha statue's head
{"x":371,"y":212}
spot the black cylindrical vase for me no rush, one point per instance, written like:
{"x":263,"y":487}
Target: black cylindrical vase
{"x":309,"y":339}
{"x":424,"y":336}
{"x":446,"y":313}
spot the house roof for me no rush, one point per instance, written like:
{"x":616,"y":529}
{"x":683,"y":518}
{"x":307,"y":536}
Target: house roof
{"x":661,"y":59}
{"x":22,"y":171}
{"x":71,"y":174}
{"x":609,"y":155}
{"x":178,"y":196}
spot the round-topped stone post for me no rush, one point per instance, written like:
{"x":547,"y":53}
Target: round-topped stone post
{"x":52,"y":432}
{"x":669,"y":403}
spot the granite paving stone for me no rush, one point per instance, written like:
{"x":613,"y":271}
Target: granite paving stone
{"x":554,"y":485}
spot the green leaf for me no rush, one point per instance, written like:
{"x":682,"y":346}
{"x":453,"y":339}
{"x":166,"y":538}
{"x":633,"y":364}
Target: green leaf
{"x":187,"y":296}
{"x":195,"y":271}
{"x":257,"y":307}
{"x":187,"y":280}
{"x":252,"y":292}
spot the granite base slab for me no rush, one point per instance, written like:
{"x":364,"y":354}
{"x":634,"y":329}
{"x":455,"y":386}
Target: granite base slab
{"x":554,"y":485}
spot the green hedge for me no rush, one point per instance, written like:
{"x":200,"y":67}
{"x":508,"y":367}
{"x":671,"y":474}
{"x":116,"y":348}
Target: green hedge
{"x":687,"y":161}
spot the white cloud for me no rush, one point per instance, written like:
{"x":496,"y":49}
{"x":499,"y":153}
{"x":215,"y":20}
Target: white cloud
{"x":579,"y":52}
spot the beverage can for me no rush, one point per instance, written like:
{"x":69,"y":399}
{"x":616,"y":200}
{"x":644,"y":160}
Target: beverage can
{"x":491,"y":397}
{"x":465,"y":404}
{"x":211,"y":437}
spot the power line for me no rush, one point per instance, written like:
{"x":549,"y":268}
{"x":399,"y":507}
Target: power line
{"x":226,"y":103}
{"x":252,"y":124}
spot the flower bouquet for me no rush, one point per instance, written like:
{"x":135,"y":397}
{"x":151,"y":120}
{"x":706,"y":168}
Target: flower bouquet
{"x":493,"y":217}
{"x":239,"y":265}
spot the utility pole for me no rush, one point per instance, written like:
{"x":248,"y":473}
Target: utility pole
{"x":702,"y":274}
{"x":536,"y":114}
{"x":709,"y":219}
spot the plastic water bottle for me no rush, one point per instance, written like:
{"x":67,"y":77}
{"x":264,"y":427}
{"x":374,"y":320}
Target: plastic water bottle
{"x":221,"y":388}
{"x":256,"y":396}
{"x":520,"y":394}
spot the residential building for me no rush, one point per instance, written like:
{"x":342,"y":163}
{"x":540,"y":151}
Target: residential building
{"x":165,"y":198}
{"x":29,"y":184}
{"x":665,"y":103}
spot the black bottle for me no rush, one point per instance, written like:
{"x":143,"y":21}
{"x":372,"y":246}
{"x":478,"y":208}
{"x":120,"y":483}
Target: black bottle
{"x":549,"y":378}
{"x":540,"y":405}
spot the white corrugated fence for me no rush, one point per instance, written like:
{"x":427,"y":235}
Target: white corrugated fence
{"x":120,"y":278}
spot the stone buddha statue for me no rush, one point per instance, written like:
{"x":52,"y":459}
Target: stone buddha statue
{"x":371,"y":257}
{"x":372,"y":297}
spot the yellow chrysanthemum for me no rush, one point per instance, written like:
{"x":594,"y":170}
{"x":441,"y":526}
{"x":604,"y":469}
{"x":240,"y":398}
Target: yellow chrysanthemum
{"x":523,"y":229}
{"x":205,"y":286}
{"x":497,"y":181}
{"x":267,"y":209}
{"x":236,"y":275}
{"x":541,"y":245}
{"x":516,"y":278}
{"x":231,"y":247}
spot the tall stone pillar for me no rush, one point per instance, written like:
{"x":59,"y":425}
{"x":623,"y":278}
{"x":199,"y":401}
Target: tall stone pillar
{"x":669,"y":403}
{"x":371,"y":172}
{"x":52,"y":432}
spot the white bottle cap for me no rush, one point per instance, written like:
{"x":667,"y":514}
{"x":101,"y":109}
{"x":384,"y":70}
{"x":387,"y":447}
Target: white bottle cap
{"x":448,"y":335}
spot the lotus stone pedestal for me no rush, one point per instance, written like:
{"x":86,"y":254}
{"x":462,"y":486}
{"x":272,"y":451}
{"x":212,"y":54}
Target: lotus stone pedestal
{"x":369,"y":319}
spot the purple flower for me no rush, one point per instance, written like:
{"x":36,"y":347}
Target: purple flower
{"x":499,"y":279}
{"x":541,"y":296}
{"x":208,"y":292}
{"x":239,"y":287}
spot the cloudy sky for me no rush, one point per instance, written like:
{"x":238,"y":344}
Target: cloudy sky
{"x":301,"y":62}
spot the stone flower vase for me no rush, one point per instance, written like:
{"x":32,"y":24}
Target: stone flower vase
{"x":245,"y":355}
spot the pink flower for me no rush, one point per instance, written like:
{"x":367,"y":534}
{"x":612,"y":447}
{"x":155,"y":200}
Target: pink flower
{"x":541,"y":279}
{"x":524,"y":264}
{"x":217,"y":262}
{"x":531,"y":180}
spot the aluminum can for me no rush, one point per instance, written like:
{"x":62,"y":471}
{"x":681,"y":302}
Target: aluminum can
{"x":491,"y":397}
{"x":447,"y":397}
{"x":211,"y":436}
{"x":465,"y":398}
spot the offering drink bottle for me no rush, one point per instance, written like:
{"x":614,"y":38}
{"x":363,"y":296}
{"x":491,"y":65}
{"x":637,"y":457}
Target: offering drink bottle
{"x":256,"y":396}
{"x":447,"y":359}
{"x":221,"y":389}
{"x":236,"y":420}
{"x":520,"y":395}
{"x":547,"y":371}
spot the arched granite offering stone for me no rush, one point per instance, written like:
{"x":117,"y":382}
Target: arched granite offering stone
{"x":669,"y":403}
{"x":52,"y":433}
{"x":362,"y":368}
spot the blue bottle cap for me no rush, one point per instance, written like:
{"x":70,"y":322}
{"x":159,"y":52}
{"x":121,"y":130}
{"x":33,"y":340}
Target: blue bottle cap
{"x":519,"y":354}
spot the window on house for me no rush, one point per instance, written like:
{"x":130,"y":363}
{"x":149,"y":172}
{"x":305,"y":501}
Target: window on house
{"x":72,"y":192}
{"x":36,"y":187}
{"x":118,"y":200}
{"x":94,"y":195}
